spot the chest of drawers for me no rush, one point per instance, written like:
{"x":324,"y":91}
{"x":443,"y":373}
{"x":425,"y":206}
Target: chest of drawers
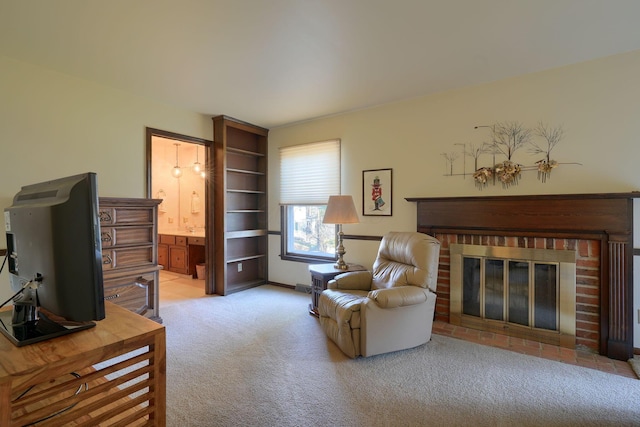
{"x":128,"y":228}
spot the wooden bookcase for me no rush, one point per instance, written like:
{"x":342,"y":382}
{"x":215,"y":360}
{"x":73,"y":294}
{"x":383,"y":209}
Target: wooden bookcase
{"x":240,"y":205}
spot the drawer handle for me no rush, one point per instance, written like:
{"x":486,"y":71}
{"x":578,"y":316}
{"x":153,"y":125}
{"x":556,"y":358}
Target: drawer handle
{"x":142,"y":281}
{"x":106,"y":259}
{"x":105,"y":236}
{"x":105,"y":216}
{"x":112,"y":297}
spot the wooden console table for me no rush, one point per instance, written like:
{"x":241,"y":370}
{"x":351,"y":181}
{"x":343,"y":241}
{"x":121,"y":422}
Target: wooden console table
{"x":77,"y":377}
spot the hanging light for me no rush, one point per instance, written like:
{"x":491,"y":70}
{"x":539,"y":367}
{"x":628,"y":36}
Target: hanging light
{"x":197,"y":166}
{"x":176,"y":172}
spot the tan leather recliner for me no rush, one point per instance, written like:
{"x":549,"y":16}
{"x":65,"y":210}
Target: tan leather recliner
{"x":392,"y":308}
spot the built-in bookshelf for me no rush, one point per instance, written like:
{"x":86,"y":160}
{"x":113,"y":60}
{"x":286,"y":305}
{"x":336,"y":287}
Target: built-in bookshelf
{"x":240,"y":205}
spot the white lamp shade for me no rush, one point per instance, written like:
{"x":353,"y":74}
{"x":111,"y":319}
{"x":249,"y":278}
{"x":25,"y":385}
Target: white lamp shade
{"x":340,"y":210}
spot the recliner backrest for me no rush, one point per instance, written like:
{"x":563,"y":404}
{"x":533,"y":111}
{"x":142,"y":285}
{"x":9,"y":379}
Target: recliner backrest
{"x":406,"y":258}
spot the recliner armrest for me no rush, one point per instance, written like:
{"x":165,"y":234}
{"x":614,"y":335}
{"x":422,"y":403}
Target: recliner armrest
{"x":399,"y":296}
{"x":356,"y":280}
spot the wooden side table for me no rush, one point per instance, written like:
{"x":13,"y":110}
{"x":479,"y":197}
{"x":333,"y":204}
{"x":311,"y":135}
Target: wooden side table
{"x":111,"y":374}
{"x":320,"y":276}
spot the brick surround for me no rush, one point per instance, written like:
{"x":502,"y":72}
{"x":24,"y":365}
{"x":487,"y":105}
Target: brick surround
{"x":587,"y":276}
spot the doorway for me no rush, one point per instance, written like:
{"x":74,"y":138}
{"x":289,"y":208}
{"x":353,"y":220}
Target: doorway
{"x":179,"y":171}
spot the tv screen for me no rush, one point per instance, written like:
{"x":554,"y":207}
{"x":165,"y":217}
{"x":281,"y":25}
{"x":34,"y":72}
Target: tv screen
{"x":55,"y":259}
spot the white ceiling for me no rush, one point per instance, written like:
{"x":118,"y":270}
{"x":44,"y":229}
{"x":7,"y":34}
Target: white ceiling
{"x":274,"y":62}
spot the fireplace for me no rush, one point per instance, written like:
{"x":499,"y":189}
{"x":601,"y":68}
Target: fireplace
{"x":522,"y":292}
{"x":597,"y":227}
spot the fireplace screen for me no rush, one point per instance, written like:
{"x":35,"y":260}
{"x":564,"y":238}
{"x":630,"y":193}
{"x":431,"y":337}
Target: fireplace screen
{"x":515,"y":291}
{"x":519,"y":287}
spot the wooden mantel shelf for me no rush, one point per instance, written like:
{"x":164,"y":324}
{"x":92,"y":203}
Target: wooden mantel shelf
{"x":556,"y":214}
{"x":607,"y":217}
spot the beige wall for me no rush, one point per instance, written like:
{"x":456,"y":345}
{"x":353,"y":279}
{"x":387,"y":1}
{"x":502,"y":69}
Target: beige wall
{"x":54,"y":125}
{"x":597,"y":103}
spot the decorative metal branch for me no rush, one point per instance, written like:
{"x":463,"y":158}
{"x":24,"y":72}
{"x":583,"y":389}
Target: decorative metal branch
{"x":507,"y":138}
{"x":552,"y":137}
{"x":451,"y":157}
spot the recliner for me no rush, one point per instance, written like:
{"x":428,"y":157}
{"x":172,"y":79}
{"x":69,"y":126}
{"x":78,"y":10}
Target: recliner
{"x":389,"y":309}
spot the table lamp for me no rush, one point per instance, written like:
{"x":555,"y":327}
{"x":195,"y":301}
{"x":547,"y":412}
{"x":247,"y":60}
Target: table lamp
{"x":340,"y":210}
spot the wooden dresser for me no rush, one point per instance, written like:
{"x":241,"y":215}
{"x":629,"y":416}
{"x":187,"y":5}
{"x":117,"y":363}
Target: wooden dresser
{"x":129,"y":230}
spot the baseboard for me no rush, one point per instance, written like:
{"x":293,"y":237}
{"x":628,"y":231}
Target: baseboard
{"x":303,"y":288}
{"x":282,"y":285}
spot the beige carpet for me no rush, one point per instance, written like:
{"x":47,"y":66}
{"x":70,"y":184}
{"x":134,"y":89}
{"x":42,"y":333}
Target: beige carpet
{"x":256,"y":358}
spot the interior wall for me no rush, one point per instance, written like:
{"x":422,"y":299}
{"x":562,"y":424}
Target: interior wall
{"x":54,"y":125}
{"x":595,"y":102}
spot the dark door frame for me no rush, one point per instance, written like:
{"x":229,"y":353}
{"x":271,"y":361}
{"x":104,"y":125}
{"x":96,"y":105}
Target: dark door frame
{"x":208,"y":147}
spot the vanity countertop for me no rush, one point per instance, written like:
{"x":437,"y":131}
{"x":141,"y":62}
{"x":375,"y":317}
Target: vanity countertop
{"x":185,"y":233}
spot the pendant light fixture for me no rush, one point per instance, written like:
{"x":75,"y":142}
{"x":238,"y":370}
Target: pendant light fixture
{"x":176,"y":172}
{"x":197,"y":166}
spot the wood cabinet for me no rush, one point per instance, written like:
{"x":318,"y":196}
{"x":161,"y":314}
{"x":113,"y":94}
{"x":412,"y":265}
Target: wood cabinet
{"x":240,"y":201}
{"x":128,"y":229}
{"x":180,"y":254}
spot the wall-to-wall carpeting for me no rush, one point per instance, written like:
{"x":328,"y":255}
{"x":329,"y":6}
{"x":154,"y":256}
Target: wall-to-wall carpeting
{"x":256,"y":358}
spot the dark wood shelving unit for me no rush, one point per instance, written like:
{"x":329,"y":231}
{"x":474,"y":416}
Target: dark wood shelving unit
{"x":240,"y":205}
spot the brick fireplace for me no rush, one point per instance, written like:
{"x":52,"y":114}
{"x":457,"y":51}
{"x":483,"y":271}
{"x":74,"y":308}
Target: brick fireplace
{"x":598,"y":227}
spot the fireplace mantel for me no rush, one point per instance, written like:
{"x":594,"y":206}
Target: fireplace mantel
{"x":607,"y":217}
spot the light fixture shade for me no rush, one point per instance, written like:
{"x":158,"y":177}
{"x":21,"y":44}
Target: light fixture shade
{"x":197,"y":166}
{"x":176,"y":172}
{"x":340,"y":210}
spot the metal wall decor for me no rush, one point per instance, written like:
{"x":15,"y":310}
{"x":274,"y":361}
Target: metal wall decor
{"x":505,"y":139}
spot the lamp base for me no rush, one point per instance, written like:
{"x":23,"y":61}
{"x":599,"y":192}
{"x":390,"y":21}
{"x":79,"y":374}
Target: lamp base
{"x":341,"y":265}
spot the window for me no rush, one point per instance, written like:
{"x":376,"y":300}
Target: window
{"x":309,"y":174}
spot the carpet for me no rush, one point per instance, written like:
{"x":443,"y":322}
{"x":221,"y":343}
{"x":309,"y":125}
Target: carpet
{"x":256,"y":358}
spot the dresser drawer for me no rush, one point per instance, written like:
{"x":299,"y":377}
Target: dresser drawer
{"x":125,"y":215}
{"x":126,"y":236}
{"x":127,"y":257}
{"x":133,"y":293}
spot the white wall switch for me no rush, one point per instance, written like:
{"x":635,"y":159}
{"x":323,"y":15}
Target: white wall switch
{"x":239,"y":267}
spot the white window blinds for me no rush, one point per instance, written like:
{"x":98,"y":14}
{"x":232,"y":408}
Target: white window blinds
{"x":309,"y":173}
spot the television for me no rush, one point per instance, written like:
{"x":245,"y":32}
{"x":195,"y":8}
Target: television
{"x":54,"y":260}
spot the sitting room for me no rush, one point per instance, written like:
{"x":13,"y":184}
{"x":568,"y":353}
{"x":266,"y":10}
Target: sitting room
{"x":482,"y":271}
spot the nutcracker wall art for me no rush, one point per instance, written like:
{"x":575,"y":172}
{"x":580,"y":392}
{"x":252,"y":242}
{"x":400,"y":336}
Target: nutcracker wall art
{"x":377,"y":192}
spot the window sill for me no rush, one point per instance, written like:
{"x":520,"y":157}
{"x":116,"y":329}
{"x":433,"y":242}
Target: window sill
{"x":307,"y":259}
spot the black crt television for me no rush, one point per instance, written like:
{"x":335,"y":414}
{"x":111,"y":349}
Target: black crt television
{"x":55,"y":260}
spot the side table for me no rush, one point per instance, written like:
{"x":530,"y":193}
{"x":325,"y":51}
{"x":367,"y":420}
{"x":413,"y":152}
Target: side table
{"x":320,"y":276}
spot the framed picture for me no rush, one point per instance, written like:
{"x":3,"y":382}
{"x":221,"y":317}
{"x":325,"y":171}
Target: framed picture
{"x":377,"y":192}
